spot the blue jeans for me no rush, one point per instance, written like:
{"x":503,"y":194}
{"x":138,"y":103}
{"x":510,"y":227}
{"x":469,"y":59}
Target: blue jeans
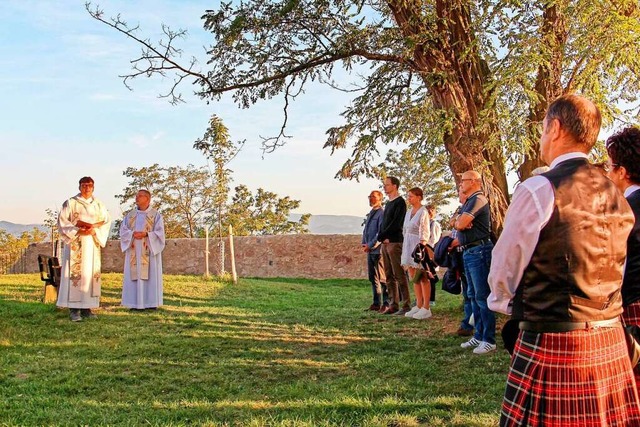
{"x":477,"y":261}
{"x":466,"y":305}
{"x":377,"y":279}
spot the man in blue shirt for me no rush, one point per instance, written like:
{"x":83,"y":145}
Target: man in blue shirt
{"x":371,"y":247}
{"x":474,"y":231}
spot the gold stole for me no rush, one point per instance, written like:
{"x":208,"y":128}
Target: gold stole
{"x":149,"y":222}
{"x":75,"y":261}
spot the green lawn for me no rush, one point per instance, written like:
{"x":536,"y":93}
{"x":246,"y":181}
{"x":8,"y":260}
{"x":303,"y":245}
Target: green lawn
{"x":264,"y":352}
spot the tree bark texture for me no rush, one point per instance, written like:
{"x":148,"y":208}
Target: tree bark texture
{"x":548,"y":83}
{"x":453,"y":70}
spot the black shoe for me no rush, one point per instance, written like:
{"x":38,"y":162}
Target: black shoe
{"x":75,"y":315}
{"x":87,"y":313}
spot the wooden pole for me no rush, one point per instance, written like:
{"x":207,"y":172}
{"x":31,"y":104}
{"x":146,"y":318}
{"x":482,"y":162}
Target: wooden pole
{"x":206,"y":252}
{"x":234,"y":275}
{"x":220,"y":241}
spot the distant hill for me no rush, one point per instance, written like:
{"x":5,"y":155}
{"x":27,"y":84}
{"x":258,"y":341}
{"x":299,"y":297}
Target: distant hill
{"x":18,"y":229}
{"x":318,"y":224}
{"x":333,"y":224}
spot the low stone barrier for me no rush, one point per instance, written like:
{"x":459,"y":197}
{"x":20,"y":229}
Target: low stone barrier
{"x":313,"y":256}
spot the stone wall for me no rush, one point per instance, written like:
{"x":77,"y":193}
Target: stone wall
{"x":313,"y":256}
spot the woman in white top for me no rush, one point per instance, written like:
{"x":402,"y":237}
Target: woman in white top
{"x":416,"y":230}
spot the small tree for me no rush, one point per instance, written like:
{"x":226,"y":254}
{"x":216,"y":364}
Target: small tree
{"x":263,"y":213}
{"x":11,"y":246}
{"x":217,"y":146}
{"x":183,"y":194}
{"x":51,"y":222}
{"x":187,"y":197}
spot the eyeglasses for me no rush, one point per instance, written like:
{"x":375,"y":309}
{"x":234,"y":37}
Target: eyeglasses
{"x":467,"y":179}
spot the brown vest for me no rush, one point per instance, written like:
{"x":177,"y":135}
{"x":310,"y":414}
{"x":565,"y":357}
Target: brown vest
{"x":575,"y":273}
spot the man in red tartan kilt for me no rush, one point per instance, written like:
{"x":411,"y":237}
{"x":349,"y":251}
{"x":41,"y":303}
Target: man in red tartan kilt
{"x":623,"y":169}
{"x":557,"y":269}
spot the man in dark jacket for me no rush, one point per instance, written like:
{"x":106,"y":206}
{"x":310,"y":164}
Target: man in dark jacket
{"x":370,"y":246}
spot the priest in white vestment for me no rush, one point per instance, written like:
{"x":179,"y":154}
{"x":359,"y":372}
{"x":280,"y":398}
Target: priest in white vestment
{"x":83,"y":224}
{"x":142,"y":240}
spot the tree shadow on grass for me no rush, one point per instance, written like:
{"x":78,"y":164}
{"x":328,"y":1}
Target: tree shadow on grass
{"x":213,"y":361}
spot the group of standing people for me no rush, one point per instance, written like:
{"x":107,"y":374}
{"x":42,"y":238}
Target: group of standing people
{"x":391,"y":235}
{"x":390,"y":238}
{"x":565,"y":269}
{"x":84,"y":225}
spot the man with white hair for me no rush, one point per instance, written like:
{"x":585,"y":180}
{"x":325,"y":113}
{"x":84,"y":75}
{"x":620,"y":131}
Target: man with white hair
{"x":474,"y":240}
{"x":142,"y":240}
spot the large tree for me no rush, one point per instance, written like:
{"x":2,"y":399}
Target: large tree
{"x":472,"y":76}
{"x":558,"y":47}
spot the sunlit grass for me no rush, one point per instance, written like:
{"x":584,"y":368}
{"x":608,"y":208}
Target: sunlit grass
{"x":265,"y":352}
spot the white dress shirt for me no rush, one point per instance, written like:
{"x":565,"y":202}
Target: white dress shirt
{"x":530,"y":210}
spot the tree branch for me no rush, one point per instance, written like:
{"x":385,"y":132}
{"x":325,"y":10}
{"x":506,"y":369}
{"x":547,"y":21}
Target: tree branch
{"x":152,"y":55}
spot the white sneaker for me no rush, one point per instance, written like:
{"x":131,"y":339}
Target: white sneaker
{"x":423,"y":313}
{"x":471,"y":343}
{"x":484,"y":348}
{"x":413,"y":311}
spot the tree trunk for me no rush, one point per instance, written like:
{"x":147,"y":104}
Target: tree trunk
{"x":466,"y":154}
{"x":455,"y":73}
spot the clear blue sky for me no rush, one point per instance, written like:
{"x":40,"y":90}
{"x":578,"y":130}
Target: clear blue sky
{"x":66,"y":114}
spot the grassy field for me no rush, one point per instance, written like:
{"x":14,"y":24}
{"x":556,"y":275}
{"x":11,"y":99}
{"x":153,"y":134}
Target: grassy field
{"x":264,"y":352}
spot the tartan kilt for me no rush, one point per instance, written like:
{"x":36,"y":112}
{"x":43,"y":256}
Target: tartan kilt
{"x":580,"y":378}
{"x":631,"y":316}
